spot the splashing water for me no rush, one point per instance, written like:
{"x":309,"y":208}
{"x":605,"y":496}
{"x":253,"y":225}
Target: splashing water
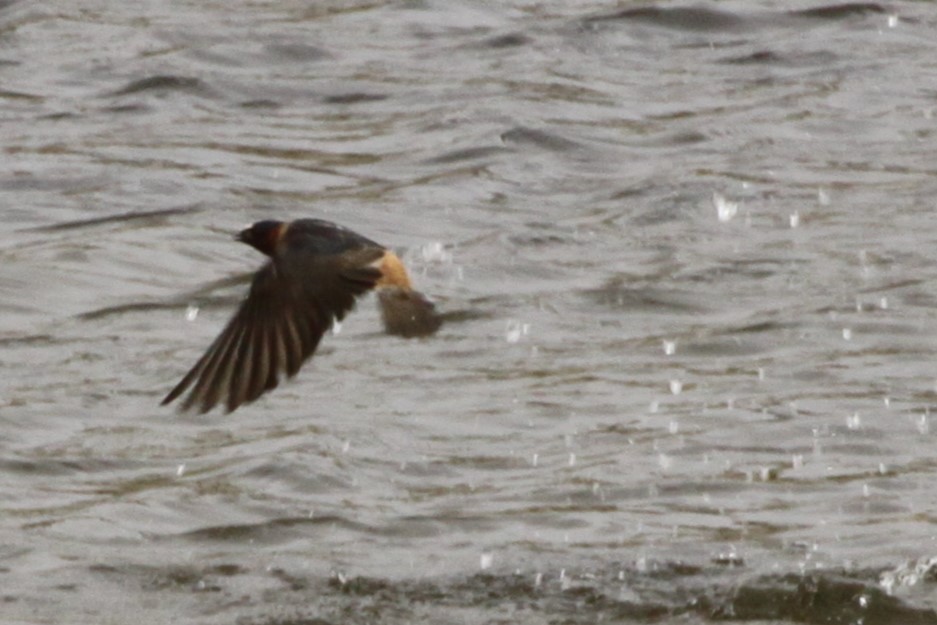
{"x":725,"y":210}
{"x":515,"y":330}
{"x":435,"y":252}
{"x":854,"y":422}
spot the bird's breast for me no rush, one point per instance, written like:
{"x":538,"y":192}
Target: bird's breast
{"x":393,"y":273}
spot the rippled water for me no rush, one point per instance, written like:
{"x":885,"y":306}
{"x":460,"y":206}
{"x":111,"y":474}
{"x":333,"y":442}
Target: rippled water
{"x":689,"y":256}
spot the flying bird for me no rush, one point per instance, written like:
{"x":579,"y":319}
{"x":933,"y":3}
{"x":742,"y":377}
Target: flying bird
{"x":316,"y":271}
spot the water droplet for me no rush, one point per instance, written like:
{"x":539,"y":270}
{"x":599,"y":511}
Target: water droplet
{"x":654,"y":407}
{"x":887,"y":401}
{"x":538,"y":579}
{"x":883,"y":303}
{"x":346,"y":446}
{"x":191,"y":313}
{"x":882,"y":469}
{"x":180,"y":470}
{"x":336,"y":326}
{"x":676,"y":386}
{"x":674,"y":427}
{"x":865,"y":269}
{"x":854,"y":422}
{"x":865,"y":490}
{"x":922,"y":424}
{"x":847,"y":334}
{"x":797,"y":461}
{"x":823,"y":197}
{"x":670,"y":347}
{"x":514,"y":330}
{"x":665,"y":461}
{"x":486,"y":561}
{"x":795,"y":219}
{"x":725,"y":209}
{"x":761,"y":374}
{"x":892,"y":21}
{"x":572,"y":460}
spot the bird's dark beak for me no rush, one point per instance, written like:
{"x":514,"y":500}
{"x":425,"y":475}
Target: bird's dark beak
{"x":243,"y":236}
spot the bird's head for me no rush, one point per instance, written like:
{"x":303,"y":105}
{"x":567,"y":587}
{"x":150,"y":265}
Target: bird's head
{"x":263,"y":235}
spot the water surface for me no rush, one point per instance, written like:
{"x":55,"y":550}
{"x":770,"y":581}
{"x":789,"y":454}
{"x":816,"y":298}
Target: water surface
{"x":689,"y":252}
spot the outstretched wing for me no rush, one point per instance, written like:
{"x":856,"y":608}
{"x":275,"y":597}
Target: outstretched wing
{"x":292,"y":302}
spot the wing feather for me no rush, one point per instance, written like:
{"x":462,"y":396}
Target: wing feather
{"x":217,"y":371}
{"x":239,"y":364}
{"x":292,"y":344}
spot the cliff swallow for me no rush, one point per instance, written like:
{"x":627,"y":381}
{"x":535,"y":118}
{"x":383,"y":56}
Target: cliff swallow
{"x":316,"y":271}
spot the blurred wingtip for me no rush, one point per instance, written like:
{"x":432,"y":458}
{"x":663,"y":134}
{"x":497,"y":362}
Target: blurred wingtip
{"x":408,"y":313}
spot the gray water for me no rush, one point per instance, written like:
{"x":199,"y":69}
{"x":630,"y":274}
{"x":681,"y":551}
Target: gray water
{"x":689,"y":256}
